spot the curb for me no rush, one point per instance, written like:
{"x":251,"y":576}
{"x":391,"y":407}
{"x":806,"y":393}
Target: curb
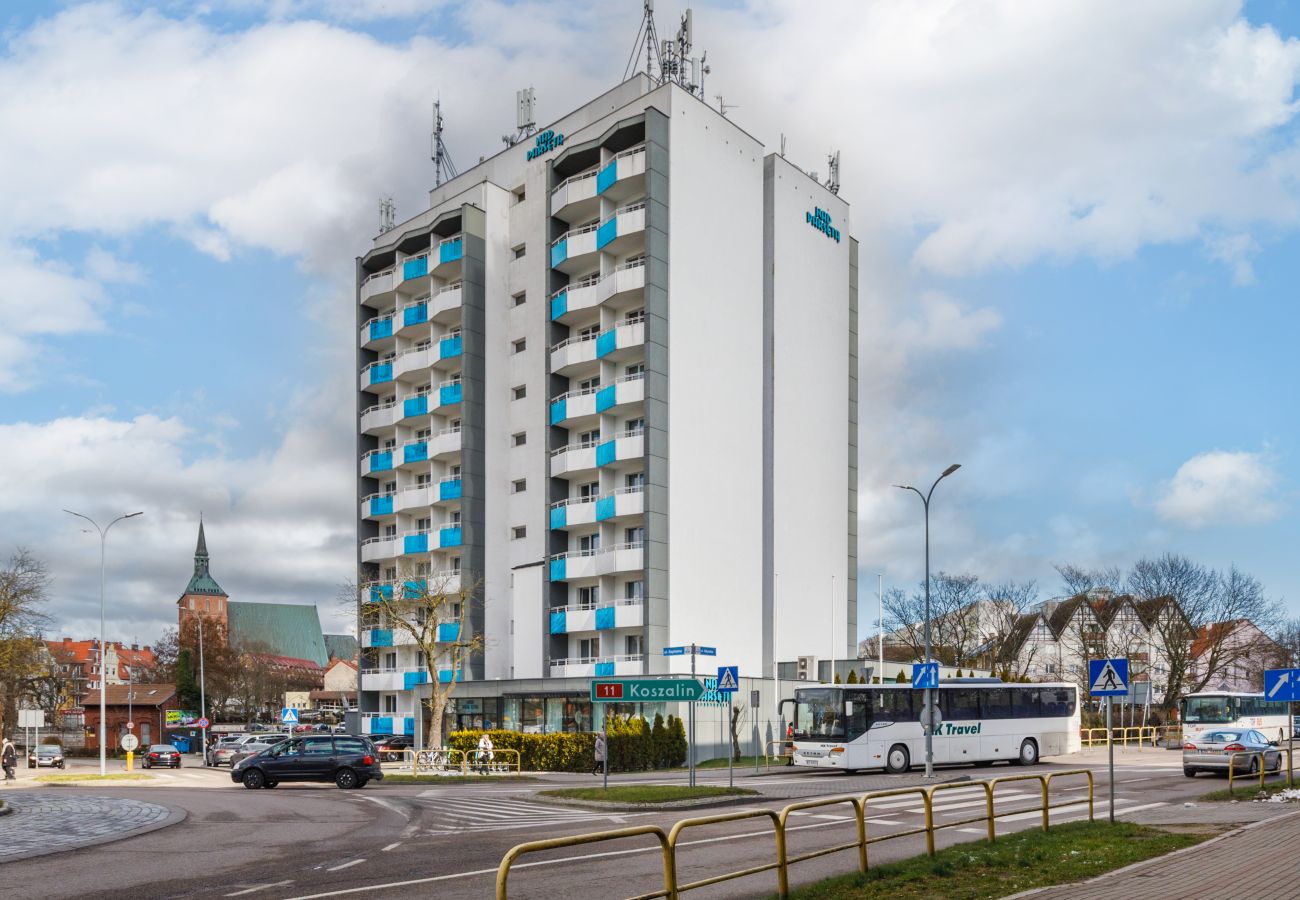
{"x":1033,"y":892}
{"x":649,"y":807}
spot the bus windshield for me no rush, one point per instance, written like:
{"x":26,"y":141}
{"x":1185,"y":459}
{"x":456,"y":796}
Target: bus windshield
{"x":1209,"y":710}
{"x":819,"y":714}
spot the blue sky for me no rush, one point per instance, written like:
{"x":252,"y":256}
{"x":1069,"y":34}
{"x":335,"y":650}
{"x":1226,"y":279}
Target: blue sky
{"x":1079,"y":237}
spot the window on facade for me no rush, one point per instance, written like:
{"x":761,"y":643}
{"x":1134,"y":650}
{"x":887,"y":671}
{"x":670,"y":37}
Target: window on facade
{"x":423,"y":525}
{"x":589,"y":384}
{"x":423,"y":434}
{"x":455,"y":563}
{"x":455,"y":517}
{"x":589,"y":648}
{"x":589,"y":596}
{"x":390,"y":487}
{"x":634,"y":370}
{"x":634,"y":590}
{"x":521,"y":251}
{"x":454,"y":471}
{"x":589,"y":490}
{"x":423,"y":568}
{"x":390,"y":531}
{"x":423,"y":389}
{"x":588,"y":438}
{"x":519,"y":532}
{"x":589,"y":542}
{"x":390,"y":573}
{"x":634,"y":535}
{"x":518,"y":439}
{"x":519,"y":195}
{"x":390,"y":703}
{"x":519,"y":486}
{"x":634,"y":480}
{"x":634,"y":316}
{"x":424,"y":479}
{"x":635,"y":426}
{"x":520,"y":298}
{"x":520,"y":345}
{"x":519,"y":392}
{"x":589,"y":332}
{"x":390,"y":444}
{"x":632,"y":645}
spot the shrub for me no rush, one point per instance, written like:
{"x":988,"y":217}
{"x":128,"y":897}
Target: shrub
{"x":659,"y":743}
{"x":677,"y":743}
{"x":561,"y":752}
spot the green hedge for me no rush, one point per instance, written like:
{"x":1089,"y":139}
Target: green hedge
{"x":633,"y":744}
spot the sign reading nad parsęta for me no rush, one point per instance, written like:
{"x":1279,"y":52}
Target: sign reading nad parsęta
{"x":645,"y":690}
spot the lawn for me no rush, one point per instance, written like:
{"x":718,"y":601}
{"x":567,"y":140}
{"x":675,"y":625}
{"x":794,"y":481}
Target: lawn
{"x":90,"y":778}
{"x":1244,"y":789}
{"x":1018,"y":862}
{"x":647,"y":793}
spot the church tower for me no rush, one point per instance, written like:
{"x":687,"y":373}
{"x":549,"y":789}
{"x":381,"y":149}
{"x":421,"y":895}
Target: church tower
{"x":203,"y":596}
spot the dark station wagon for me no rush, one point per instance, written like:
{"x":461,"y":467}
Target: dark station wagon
{"x":346,"y":760}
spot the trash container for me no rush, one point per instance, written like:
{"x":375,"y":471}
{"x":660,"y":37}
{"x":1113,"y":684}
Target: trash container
{"x":181,"y":743}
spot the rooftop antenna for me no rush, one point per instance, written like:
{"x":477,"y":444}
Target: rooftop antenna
{"x":676,"y":62}
{"x":723,"y":107}
{"x":783,"y":144}
{"x":439,"y":154}
{"x":646,"y":32}
{"x":387,"y":214}
{"x":525,"y":117}
{"x":833,"y":179}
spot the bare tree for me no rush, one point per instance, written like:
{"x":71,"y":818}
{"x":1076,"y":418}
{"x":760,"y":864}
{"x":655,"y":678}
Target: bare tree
{"x":24,"y":589}
{"x":954,"y":617}
{"x":433,"y":615}
{"x":738,"y":713}
{"x":1287,"y":636}
{"x":1007,"y":624}
{"x":1077,"y":580}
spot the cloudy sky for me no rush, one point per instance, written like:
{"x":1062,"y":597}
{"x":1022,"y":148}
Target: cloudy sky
{"x":1078,"y":224}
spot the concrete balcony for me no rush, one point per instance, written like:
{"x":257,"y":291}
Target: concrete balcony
{"x":380,"y":285}
{"x":413,"y":498}
{"x":602,"y":667}
{"x":446,"y":581}
{"x":444,"y":538}
{"x":573,"y":459}
{"x":449,"y":491}
{"x":390,"y":723}
{"x":415,"y":268}
{"x":597,"y":617}
{"x":381,"y":416}
{"x":578,"y":564}
{"x":623,"y":177}
{"x":619,"y":504}
{"x":574,"y":405}
{"x":449,"y":254}
{"x":380,"y":548}
{"x":622,"y":288}
{"x":386,"y":637}
{"x":623,"y":232}
{"x":401,"y":679}
{"x":440,"y":354}
{"x":620,"y":342}
{"x":444,"y":401}
{"x":575,"y":251}
{"x":377,"y":461}
{"x":625,"y":447}
{"x":378,"y":506}
{"x":624,"y":392}
{"x":377,"y":334}
{"x":441,"y":306}
{"x":377,"y":375}
{"x":575,"y":198}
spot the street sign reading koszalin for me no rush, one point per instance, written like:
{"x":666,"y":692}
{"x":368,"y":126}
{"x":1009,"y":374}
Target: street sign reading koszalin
{"x":640,"y":690}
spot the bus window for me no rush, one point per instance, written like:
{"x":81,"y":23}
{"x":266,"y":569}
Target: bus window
{"x":1058,"y":701}
{"x":1208,"y":710}
{"x":819,"y":714}
{"x":1025,"y":703}
{"x":959,"y":705}
{"x":857,"y":713}
{"x":895,"y":706}
{"x":996,"y":703}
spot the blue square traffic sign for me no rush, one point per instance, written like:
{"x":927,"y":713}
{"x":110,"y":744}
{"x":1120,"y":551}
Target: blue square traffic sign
{"x":728,"y":679}
{"x":925,"y":675}
{"x":1108,"y":677}
{"x":1281,"y":685}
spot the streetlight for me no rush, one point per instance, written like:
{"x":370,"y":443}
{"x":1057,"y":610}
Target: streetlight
{"x":103,"y":672}
{"x":929,"y":696}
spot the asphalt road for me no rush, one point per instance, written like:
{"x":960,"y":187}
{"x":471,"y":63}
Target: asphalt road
{"x":318,"y":841}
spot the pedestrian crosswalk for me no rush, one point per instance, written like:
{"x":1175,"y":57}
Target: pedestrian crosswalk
{"x":461,"y":813}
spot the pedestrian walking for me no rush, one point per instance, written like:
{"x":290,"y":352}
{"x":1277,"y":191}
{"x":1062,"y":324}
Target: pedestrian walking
{"x":600,"y":754}
{"x":484,"y":752}
{"x":9,"y":759}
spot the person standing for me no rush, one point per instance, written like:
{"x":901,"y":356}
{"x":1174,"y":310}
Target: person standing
{"x":600,"y":754}
{"x":9,"y":759}
{"x":484,"y":752}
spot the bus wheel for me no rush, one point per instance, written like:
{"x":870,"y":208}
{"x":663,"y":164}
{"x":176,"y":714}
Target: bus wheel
{"x":1028,"y":753}
{"x":897,"y":760}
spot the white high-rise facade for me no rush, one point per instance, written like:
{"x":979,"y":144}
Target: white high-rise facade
{"x":608,"y":377}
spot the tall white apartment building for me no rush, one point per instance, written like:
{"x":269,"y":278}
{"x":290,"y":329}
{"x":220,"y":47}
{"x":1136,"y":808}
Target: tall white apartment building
{"x":608,"y":376}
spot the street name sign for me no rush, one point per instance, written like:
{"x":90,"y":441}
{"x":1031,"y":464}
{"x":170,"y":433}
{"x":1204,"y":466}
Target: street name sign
{"x":925,"y":675}
{"x":1108,"y":677}
{"x":1281,"y":685}
{"x":642,"y":690}
{"x":707,"y":651}
{"x":674,"y":651}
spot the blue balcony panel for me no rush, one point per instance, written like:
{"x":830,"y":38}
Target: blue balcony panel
{"x":559,"y":517}
{"x":605,"y":398}
{"x":415,"y":452}
{"x":448,"y":632}
{"x":558,"y":569}
{"x":415,"y":268}
{"x":606,"y":453}
{"x":411,"y":590}
{"x":444,"y":676}
{"x":381,"y":462}
{"x":559,"y":622}
{"x":411,"y":679}
{"x":604,"y":508}
{"x":408,"y":725}
{"x":381,"y":724}
{"x":381,"y":373}
{"x":381,"y":592}
{"x":381,"y":328}
{"x":450,"y":252}
{"x":415,"y":543}
{"x":449,"y":490}
{"x":449,"y":347}
{"x":606,"y":343}
{"x":449,"y":537}
{"x":558,"y":414}
{"x":449,"y":394}
{"x":607,"y":176}
{"x":604,"y":669}
{"x":381,"y":637}
{"x":559,"y":305}
{"x":606,"y":232}
{"x":381,"y":506}
{"x":559,"y":253}
{"x":415,"y":315}
{"x":415,"y":406}
{"x":604,"y":618}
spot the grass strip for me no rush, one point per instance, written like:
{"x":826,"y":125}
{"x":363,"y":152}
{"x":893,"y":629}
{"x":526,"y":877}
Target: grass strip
{"x":1244,"y":793}
{"x":647,"y":793}
{"x":1027,"y":859}
{"x":453,"y":779}
{"x":92,"y":779}
{"x":745,"y":762}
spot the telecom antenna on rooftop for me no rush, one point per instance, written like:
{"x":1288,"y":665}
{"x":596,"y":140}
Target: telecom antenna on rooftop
{"x":387,"y":214}
{"x":833,"y":180}
{"x":438,"y":150}
{"x":525,"y":117}
{"x":673,"y":57}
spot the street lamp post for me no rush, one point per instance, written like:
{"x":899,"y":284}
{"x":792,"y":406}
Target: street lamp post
{"x":203,"y":699}
{"x":929,"y":692}
{"x":103,"y":672}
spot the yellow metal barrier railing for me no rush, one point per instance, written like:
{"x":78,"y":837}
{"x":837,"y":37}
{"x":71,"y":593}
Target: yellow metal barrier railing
{"x":787,"y":751}
{"x":861,"y":804}
{"x":1263,"y":771}
{"x":487,"y":762}
{"x":1138,"y":735}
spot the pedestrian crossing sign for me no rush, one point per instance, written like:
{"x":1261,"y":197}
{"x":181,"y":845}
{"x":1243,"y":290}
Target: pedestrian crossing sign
{"x":1108,"y":677}
{"x":728,"y":679}
{"x":288,"y":716}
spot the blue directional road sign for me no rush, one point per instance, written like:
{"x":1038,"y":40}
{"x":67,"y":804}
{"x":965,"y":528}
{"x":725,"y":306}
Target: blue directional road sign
{"x":1108,"y":677}
{"x":925,"y":675}
{"x":728,"y":679}
{"x":707,"y":651}
{"x":288,"y":716}
{"x":674,"y":651}
{"x":1281,"y":685}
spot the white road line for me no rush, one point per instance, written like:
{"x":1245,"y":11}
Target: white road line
{"x":386,"y":805}
{"x":392,"y":846}
{"x":1012,"y":796}
{"x":259,"y":887}
{"x":980,"y":831}
{"x":833,"y":817}
{"x":883,"y":822}
{"x":346,"y":865}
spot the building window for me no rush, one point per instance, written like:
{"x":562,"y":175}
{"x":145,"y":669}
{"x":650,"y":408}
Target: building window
{"x":520,"y":195}
{"x":519,"y":532}
{"x":519,"y":486}
{"x":634,"y":535}
{"x":589,"y":542}
{"x":589,"y":596}
{"x":634,"y":590}
{"x":521,"y":251}
{"x":632,"y":645}
{"x":519,"y":439}
{"x":588,"y":438}
{"x":589,"y":648}
{"x":634,"y":480}
{"x":589,"y":384}
{"x":520,"y":298}
{"x":634,"y":370}
{"x":390,"y":703}
{"x":590,"y":331}
{"x":520,"y":345}
{"x":588,"y":491}
{"x":519,"y":392}
{"x":424,"y":479}
{"x":634,"y":316}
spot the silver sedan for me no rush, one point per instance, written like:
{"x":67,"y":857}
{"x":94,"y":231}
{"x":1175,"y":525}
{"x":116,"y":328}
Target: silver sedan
{"x":1213,"y":751}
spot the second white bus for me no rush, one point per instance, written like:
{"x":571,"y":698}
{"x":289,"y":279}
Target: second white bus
{"x":1205,"y":710}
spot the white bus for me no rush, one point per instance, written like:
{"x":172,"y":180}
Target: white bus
{"x":1204,"y":710}
{"x":850,"y":727}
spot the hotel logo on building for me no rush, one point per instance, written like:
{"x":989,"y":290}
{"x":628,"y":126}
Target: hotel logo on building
{"x":546,"y":142}
{"x":821,"y":220}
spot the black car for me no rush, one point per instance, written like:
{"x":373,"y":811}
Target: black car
{"x":161,"y":755}
{"x":346,"y":760}
{"x":392,"y":748}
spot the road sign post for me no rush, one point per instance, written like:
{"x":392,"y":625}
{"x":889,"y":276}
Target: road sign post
{"x":1283,"y":686}
{"x":1109,"y":678}
{"x":694,"y":650}
{"x":728,"y":684}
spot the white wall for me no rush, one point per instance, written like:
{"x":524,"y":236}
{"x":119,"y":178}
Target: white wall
{"x":715,"y":429}
{"x":810,"y":272}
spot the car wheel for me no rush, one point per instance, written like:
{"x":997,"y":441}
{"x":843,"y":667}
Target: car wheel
{"x":1279,"y":764}
{"x":346,"y":779}
{"x":897,"y":760}
{"x":362,"y":782}
{"x":254,"y":779}
{"x":1190,"y":773}
{"x":1028,"y":753}
{"x":145,"y":764}
{"x":1254,"y":765}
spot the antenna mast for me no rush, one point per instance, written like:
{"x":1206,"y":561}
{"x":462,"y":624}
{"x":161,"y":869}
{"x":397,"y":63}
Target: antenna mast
{"x":833,"y":179}
{"x":676,"y":63}
{"x":525,"y":117}
{"x":439,"y":154}
{"x":387,"y":214}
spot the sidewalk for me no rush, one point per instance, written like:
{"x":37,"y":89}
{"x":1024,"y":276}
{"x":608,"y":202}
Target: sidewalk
{"x":1258,"y":860}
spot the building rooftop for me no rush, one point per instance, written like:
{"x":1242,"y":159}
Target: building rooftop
{"x":283,"y":629}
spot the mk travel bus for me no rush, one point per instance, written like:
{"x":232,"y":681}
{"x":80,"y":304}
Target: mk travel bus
{"x":1216,"y":709}
{"x":981,"y":721}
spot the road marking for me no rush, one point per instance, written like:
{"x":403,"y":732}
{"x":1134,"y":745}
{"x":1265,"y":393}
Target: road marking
{"x":980,"y":831}
{"x":386,"y":805}
{"x":259,"y":887}
{"x":392,"y":846}
{"x":346,"y":865}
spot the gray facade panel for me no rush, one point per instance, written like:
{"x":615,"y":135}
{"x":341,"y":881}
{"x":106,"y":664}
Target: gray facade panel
{"x":473,"y":419}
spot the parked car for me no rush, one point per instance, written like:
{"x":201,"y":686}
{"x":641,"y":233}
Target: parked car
{"x":45,"y":755}
{"x":392,"y":748}
{"x":346,"y":760}
{"x":263,"y":742}
{"x":223,"y":751}
{"x":161,"y":755}
{"x":1213,"y":751}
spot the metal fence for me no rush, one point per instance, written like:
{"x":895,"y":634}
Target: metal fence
{"x":782,"y":858}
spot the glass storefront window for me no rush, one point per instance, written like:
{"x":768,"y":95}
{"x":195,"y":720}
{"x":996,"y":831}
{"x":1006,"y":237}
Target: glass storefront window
{"x":555,"y":714}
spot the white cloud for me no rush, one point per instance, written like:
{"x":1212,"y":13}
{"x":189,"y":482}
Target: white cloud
{"x":1221,"y":487}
